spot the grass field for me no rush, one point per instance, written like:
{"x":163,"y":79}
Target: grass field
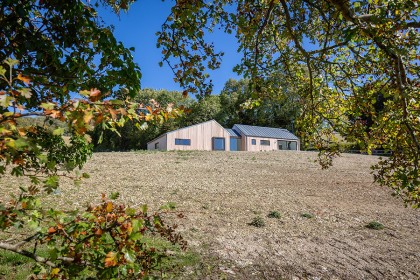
{"x":265,"y":215}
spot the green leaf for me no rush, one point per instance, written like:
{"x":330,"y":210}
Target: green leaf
{"x":5,"y":100}
{"x":2,"y":71}
{"x":11,"y":62}
{"x":47,"y":106}
{"x":58,"y":131}
{"x":130,"y":256}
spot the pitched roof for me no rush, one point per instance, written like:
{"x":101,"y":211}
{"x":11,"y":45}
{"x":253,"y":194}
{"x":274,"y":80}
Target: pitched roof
{"x":232,"y":132}
{"x":166,"y":133}
{"x":266,"y":132}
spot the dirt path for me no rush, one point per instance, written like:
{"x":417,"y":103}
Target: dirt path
{"x":220,"y":193}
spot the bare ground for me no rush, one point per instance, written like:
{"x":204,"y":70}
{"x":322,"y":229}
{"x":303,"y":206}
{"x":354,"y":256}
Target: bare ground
{"x":220,"y":193}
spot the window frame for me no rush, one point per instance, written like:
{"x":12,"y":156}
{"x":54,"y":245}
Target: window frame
{"x":253,"y":142}
{"x":180,"y":142}
{"x":213,"y":143}
{"x":265,"y":141}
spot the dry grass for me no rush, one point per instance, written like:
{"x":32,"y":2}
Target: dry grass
{"x":220,"y":194}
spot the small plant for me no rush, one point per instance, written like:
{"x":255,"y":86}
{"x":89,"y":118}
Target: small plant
{"x":307,"y":215}
{"x":274,"y":214}
{"x":253,"y":158}
{"x":257,"y":222}
{"x":168,"y":206}
{"x":375,"y":225}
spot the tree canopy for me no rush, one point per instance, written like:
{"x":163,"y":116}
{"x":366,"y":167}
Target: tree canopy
{"x":354,"y":65}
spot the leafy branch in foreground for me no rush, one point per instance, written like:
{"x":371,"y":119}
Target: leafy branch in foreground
{"x":106,"y":240}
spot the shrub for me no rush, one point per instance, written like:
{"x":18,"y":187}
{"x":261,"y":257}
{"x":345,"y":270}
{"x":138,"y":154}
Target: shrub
{"x":257,"y":222}
{"x":274,"y":214}
{"x":375,"y":225}
{"x":307,"y":215}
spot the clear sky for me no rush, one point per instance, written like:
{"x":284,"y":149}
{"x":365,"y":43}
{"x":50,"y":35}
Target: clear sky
{"x":137,"y":29}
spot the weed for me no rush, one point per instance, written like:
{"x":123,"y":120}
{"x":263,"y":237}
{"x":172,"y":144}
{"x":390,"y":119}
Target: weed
{"x":257,"y":222}
{"x":206,"y":206}
{"x":307,"y":215}
{"x":175,"y":191}
{"x":375,"y":225}
{"x":274,"y":214}
{"x":253,"y":158}
{"x":168,"y":206}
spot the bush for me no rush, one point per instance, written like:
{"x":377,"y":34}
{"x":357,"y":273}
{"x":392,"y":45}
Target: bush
{"x":375,"y":225}
{"x":257,"y":222}
{"x":274,"y":214}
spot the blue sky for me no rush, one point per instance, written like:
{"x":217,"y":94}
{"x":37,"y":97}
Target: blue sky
{"x":137,"y":29}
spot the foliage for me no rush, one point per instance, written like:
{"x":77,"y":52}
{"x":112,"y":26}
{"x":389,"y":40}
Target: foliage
{"x":129,"y":137}
{"x":274,"y":214}
{"x":307,"y":215}
{"x":353,"y":64}
{"x":257,"y":222}
{"x":375,"y":225}
{"x":241,"y":105}
{"x":104,"y":241}
{"x":60,"y":63}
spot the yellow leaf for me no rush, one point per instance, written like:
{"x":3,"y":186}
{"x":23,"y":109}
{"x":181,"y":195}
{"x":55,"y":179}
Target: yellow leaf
{"x":55,"y":271}
{"x":109,"y":207}
{"x":24,"y":79}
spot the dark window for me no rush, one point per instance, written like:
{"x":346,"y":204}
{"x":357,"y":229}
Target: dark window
{"x":185,"y":142}
{"x":156,"y":145}
{"x":287,"y":145}
{"x":235,"y":144}
{"x":218,"y":144}
{"x":265,"y":142}
{"x":253,"y":142}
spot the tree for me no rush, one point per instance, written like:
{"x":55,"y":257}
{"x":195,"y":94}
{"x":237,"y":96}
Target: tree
{"x":58,"y":61}
{"x":341,"y":56}
{"x":280,"y":109}
{"x":129,"y":137}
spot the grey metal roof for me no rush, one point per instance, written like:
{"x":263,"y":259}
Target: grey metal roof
{"x":232,"y":132}
{"x":267,"y":132}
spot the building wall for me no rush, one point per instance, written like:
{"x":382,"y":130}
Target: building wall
{"x":201,"y":136}
{"x":258,"y":147}
{"x":162,"y":142}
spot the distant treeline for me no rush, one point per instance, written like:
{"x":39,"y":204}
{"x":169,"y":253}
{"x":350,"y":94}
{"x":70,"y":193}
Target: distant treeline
{"x":227,"y":108}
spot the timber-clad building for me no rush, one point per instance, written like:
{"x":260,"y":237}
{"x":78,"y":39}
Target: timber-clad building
{"x":211,"y":136}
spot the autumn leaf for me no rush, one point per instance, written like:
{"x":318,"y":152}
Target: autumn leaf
{"x":109,"y":207}
{"x":113,"y":113}
{"x":24,"y":79}
{"x":98,"y":231}
{"x":51,"y":230}
{"x":26,"y":92}
{"x":111,"y":259}
{"x":94,"y":92}
{"x":55,"y":271}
